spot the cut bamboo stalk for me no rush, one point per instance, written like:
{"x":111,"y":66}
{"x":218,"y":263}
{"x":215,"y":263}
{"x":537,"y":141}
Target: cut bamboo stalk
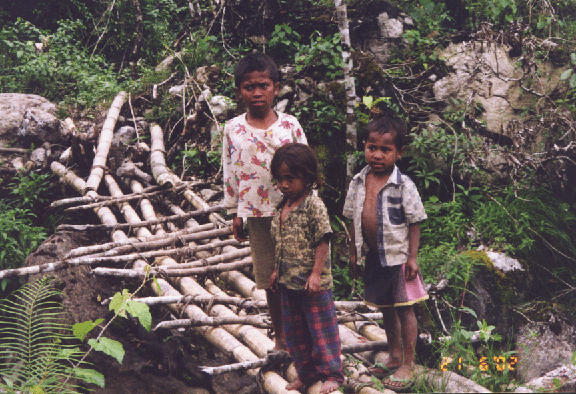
{"x":198,"y":203}
{"x":221,"y":258}
{"x":202,"y":300}
{"x":125,"y":208}
{"x":104,"y":143}
{"x":14,"y":150}
{"x":130,"y":273}
{"x":135,"y":243}
{"x":146,"y":207}
{"x":123,"y":226}
{"x":283,"y":356}
{"x":171,"y":241}
{"x":185,"y":251}
{"x":256,"y":321}
{"x":160,"y":171}
{"x":105,"y":214}
{"x":247,"y":320}
{"x":106,"y":200}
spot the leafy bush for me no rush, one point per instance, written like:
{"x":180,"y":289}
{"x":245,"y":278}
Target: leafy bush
{"x":64,"y":70}
{"x":18,"y":236}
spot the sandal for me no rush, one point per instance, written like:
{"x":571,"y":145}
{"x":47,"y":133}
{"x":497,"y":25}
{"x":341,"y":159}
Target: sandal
{"x":380,"y":371}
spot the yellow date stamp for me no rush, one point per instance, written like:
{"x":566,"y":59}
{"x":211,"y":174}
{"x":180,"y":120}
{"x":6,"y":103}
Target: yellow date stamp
{"x":501,"y":363}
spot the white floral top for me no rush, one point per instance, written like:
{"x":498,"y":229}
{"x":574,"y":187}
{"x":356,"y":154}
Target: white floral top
{"x":246,"y":154}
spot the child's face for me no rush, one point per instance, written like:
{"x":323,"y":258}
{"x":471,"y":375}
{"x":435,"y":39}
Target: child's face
{"x":291,"y":185}
{"x":257,"y":91}
{"x":381,"y":153}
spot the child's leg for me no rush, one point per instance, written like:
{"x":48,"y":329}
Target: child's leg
{"x":273,"y":299}
{"x":297,"y":336}
{"x":323,"y":327}
{"x":394,"y":337}
{"x":262,"y":252}
{"x":403,"y":377}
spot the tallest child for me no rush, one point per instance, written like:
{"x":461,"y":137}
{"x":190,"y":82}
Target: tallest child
{"x":249,"y":143}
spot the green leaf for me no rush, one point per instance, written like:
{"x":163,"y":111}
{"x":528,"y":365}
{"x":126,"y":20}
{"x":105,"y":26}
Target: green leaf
{"x":80,"y":330}
{"x":108,"y":346}
{"x":573,"y":81}
{"x":367,"y":100}
{"x":90,"y":376}
{"x":142,"y":312}
{"x":566,"y":74}
{"x":118,"y":303}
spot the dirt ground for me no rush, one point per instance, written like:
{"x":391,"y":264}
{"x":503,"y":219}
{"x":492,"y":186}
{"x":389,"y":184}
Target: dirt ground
{"x":154,"y":362}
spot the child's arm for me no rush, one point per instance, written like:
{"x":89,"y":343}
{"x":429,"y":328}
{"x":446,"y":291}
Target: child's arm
{"x":352,"y":265}
{"x":272,"y":281}
{"x":238,"y":229}
{"x":413,"y":243}
{"x":322,"y":250}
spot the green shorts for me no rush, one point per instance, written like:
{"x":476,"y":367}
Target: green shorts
{"x":262,"y":249}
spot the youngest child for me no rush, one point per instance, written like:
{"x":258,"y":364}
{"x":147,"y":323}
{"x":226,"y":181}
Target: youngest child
{"x":301,"y":231}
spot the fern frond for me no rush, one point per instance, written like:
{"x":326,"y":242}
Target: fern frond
{"x":36,"y":354}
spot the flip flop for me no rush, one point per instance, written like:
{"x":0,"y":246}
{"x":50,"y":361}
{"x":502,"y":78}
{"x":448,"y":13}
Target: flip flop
{"x":385,"y":371}
{"x":408,"y":383}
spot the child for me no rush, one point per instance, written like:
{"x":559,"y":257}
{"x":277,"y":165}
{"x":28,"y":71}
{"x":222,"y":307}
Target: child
{"x":386,"y":209}
{"x":249,"y":143}
{"x":301,"y":231}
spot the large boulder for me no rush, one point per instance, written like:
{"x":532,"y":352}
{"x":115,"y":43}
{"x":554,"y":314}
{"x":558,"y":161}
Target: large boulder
{"x":545,"y":345}
{"x":13,"y":109}
{"x":485,"y":74}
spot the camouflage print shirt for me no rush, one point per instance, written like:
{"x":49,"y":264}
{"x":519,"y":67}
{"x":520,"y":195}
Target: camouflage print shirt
{"x":296,"y":242}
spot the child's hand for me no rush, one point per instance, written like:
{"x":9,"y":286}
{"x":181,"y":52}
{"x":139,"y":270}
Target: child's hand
{"x":353,"y":268}
{"x":238,"y":228}
{"x":273,"y":280}
{"x":411,"y":269}
{"x":313,"y":283}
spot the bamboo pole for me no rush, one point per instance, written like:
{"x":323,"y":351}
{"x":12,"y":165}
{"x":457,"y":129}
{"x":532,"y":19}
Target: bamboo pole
{"x":89,"y":203}
{"x":174,"y":272}
{"x":256,"y":321}
{"x":224,"y":300}
{"x":221,"y":258}
{"x":248,"y":320}
{"x":14,"y":150}
{"x":199,"y":203}
{"x":146,"y":207}
{"x":123,"y":226}
{"x":125,"y":208}
{"x":160,"y":171}
{"x":135,"y":243}
{"x":104,"y":143}
{"x":283,"y":357}
{"x":185,"y":251}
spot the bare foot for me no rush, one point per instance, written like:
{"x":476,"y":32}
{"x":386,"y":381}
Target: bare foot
{"x":295,"y":385}
{"x":329,"y":386}
{"x":280,"y":344}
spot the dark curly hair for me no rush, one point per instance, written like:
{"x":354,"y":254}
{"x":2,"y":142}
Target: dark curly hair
{"x":255,"y":61}
{"x":394,"y":126}
{"x":300,"y":159}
